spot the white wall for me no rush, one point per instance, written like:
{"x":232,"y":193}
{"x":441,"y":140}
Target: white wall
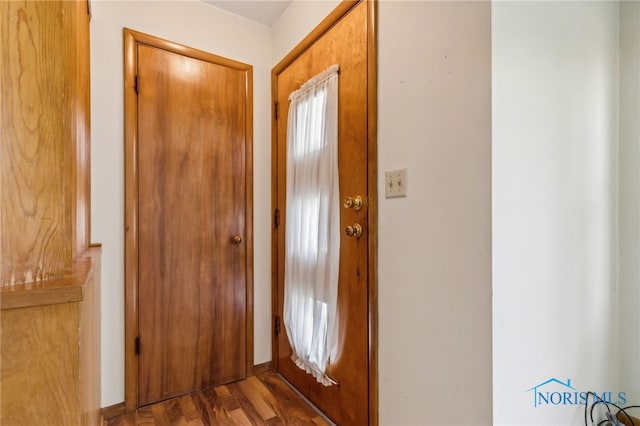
{"x":629,"y":193}
{"x":554,"y":204}
{"x":197,"y":25}
{"x":434,"y":245}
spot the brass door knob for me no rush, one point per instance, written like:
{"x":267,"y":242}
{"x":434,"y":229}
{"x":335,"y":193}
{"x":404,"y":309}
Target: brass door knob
{"x":353,"y":202}
{"x":354,"y":230}
{"x":237,"y":239}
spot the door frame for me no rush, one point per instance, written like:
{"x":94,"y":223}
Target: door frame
{"x":372,"y":182}
{"x":132,"y":39}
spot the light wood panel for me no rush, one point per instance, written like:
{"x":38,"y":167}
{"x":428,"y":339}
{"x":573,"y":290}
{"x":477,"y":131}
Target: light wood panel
{"x":37,"y":71}
{"x":49,"y":277}
{"x":89,"y":351}
{"x":40,"y":363}
{"x":263,"y":399}
{"x":66,"y":289}
{"x":50,"y":354}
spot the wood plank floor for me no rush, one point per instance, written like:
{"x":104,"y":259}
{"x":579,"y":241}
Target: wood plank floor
{"x":263,"y":399}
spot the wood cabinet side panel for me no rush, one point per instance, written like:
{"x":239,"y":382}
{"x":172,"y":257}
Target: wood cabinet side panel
{"x":37,"y":64}
{"x":90,"y":401}
{"x":39,"y":374}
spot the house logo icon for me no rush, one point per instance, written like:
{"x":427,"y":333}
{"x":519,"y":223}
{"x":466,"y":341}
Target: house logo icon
{"x":539,"y":395}
{"x":556,"y":392}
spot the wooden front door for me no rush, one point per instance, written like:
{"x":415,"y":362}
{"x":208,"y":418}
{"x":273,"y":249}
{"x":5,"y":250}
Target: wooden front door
{"x":344,"y":44}
{"x":192,"y":205}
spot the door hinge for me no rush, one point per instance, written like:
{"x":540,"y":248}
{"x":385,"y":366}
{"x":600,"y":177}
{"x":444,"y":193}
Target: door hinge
{"x":136,"y":84}
{"x":275,"y":110}
{"x":137,"y":344}
{"x":276,"y":325}
{"x":276,"y":218}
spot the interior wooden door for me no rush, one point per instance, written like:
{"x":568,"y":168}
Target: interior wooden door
{"x":345,"y":44}
{"x":193,"y":222}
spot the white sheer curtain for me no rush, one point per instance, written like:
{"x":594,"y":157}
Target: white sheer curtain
{"x":313,"y":224}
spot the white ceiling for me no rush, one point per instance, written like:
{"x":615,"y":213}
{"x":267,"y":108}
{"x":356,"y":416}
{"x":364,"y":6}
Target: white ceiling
{"x":265,"y":12}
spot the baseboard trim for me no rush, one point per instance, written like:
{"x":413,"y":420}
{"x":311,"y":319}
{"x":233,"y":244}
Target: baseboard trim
{"x":113,"y":411}
{"x":116,"y":410}
{"x":263,"y":368}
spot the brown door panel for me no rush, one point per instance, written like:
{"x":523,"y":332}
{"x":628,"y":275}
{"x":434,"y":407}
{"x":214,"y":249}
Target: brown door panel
{"x":191,"y":202}
{"x":344,"y":44}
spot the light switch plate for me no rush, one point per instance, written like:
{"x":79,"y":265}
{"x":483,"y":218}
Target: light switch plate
{"x":395,"y":183}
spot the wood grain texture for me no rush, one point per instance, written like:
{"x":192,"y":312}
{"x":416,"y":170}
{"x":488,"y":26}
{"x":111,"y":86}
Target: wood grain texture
{"x":50,"y":353}
{"x":39,"y":63}
{"x":262,"y":368}
{"x":131,"y":220}
{"x":49,"y":277}
{"x":40,"y":362}
{"x":192,"y":302}
{"x":113,"y":411}
{"x":263,"y":399}
{"x":90,"y":343}
{"x":188,"y":167}
{"x":79,"y":177}
{"x":343,"y":39}
{"x":338,"y":13}
{"x":67,"y":288}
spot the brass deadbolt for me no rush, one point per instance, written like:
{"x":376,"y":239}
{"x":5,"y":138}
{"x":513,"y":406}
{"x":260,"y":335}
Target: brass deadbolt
{"x":353,"y":203}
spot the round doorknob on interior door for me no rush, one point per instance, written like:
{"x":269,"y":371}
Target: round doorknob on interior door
{"x":237,"y":239}
{"x":354,"y":230}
